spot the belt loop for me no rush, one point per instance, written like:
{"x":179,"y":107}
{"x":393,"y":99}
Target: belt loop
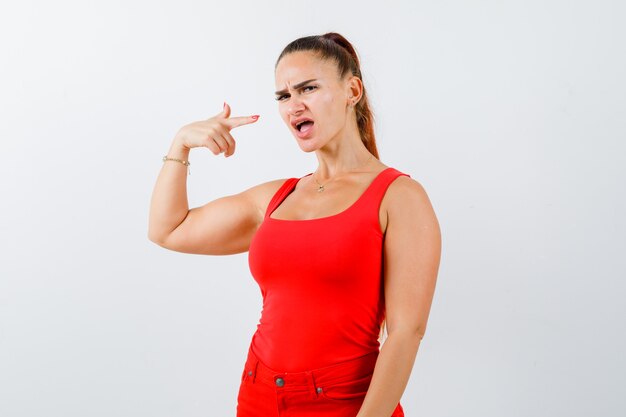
{"x":255,"y":366}
{"x":313,"y":384}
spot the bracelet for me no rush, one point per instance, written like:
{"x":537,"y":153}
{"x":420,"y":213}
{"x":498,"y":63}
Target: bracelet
{"x":186,"y":163}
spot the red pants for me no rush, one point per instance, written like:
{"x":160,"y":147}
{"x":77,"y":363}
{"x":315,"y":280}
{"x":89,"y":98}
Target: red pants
{"x":337,"y":390}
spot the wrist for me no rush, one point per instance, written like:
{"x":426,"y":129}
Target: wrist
{"x":178,"y":149}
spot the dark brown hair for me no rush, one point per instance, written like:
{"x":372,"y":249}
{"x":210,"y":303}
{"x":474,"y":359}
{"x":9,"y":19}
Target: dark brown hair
{"x":333,"y":46}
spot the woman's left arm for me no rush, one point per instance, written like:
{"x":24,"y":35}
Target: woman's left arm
{"x":412,"y":251}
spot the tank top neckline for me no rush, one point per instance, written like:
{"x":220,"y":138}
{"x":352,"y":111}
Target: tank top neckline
{"x":332,"y":216}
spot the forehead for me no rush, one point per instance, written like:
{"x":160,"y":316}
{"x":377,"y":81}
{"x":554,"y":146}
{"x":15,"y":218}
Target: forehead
{"x":299,"y":66}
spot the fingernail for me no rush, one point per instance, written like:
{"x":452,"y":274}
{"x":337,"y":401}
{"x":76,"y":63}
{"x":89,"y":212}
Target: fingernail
{"x":224,"y":105}
{"x":255,"y":117}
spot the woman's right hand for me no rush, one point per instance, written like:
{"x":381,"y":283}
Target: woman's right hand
{"x":213,"y":133}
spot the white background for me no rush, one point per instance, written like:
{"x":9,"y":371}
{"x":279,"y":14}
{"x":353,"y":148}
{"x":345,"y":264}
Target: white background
{"x":510,"y":114}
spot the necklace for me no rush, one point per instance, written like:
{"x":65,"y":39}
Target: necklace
{"x":320,"y":187}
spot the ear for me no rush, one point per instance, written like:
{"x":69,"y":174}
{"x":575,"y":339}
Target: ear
{"x":354,"y":90}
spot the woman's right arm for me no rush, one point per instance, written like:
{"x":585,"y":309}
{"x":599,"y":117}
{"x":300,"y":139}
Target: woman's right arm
{"x":223,"y":226}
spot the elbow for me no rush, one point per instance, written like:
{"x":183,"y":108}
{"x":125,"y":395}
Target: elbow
{"x":407,"y":334}
{"x":154,"y":238}
{"x":419,"y":336}
{"x":151,"y":236}
{"x":419,"y":332}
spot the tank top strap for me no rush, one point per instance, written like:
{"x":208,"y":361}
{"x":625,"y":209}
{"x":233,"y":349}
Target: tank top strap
{"x":373,"y":195}
{"x":281,"y":194}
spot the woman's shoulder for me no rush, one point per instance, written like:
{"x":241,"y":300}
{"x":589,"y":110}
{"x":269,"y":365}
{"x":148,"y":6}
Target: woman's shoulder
{"x":406,"y":199}
{"x":405,"y":189}
{"x":262,"y":193}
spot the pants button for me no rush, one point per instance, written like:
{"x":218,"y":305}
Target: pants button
{"x":280,"y":382}
{"x":319,"y":389}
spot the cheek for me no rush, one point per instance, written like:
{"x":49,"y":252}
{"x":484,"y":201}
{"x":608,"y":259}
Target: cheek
{"x":329,"y":107}
{"x":328,"y":100}
{"x":334,"y":112}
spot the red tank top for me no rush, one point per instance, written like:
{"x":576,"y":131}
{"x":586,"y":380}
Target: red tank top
{"x":321,"y":281}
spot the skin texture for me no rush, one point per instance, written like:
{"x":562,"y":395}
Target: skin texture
{"x":337,"y":143}
{"x":412,"y":250}
{"x":412,"y":238}
{"x":345,"y":166}
{"x":412,"y":245}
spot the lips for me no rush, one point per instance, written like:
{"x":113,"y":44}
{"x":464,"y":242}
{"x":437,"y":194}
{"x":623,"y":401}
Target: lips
{"x":307,"y":128}
{"x":296,"y":123}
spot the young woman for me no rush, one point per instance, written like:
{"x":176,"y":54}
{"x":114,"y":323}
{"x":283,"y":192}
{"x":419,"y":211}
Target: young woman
{"x":337,"y":252}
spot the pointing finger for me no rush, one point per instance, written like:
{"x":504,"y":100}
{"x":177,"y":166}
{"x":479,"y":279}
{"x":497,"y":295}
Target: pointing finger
{"x":240,"y":121}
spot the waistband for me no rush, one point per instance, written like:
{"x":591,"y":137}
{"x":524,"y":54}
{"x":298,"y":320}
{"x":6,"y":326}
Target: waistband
{"x":349,"y":370}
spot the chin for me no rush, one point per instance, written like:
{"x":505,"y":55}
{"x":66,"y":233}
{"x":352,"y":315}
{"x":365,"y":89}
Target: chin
{"x":307,"y":147}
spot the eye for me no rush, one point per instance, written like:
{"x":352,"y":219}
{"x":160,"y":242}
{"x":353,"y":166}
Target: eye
{"x":279,"y":98}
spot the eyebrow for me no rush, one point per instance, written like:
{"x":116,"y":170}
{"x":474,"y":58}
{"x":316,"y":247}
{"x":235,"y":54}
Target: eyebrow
{"x":296,"y":86}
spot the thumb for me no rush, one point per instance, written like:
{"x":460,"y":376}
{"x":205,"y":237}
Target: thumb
{"x":226,"y":110}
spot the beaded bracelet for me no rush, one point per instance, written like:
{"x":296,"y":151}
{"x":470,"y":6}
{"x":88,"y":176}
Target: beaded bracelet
{"x":186,"y":163}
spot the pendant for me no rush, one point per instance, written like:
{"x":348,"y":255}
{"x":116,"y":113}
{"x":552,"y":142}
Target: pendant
{"x":320,"y":188}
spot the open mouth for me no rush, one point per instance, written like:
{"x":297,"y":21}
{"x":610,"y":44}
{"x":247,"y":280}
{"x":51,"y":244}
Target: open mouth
{"x":304,"y":126}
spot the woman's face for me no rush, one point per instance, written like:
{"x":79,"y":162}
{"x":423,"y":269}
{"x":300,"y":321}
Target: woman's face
{"x":324,"y":99}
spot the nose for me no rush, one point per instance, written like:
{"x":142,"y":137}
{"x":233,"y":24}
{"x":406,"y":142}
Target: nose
{"x":295,"y":105}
